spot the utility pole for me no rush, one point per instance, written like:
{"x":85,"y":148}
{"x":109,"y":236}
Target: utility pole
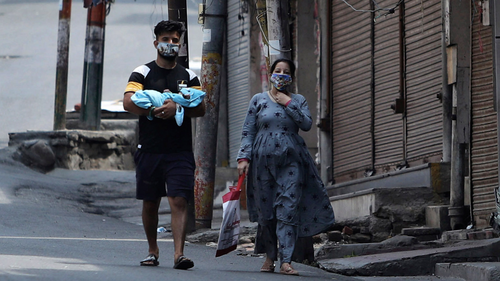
{"x":458,"y":29}
{"x":206,"y":128}
{"x":62,"y":65}
{"x":278,"y":29}
{"x":177,"y":10}
{"x":90,"y":114}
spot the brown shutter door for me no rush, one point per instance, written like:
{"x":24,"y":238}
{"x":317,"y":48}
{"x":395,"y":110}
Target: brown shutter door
{"x":388,"y":131}
{"x":423,"y":80}
{"x":484,"y":155}
{"x":351,"y":79}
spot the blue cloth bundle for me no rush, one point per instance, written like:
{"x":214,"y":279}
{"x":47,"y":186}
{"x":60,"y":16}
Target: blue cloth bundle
{"x":189,"y":98}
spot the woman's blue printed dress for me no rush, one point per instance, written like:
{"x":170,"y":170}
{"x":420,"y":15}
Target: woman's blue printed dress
{"x":283,"y":181}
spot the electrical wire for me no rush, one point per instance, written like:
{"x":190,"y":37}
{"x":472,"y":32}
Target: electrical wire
{"x":153,"y":18}
{"x":377,"y":10}
{"x":264,"y":35}
{"x":108,"y":8}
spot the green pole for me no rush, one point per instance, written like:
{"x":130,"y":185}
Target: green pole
{"x":90,"y":113}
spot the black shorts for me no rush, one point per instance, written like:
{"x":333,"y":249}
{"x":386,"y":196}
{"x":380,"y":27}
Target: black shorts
{"x":160,"y":175}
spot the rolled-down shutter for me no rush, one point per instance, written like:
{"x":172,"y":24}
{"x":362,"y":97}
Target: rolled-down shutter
{"x":388,"y":126}
{"x":238,"y":67}
{"x":423,"y":79}
{"x":484,"y":144}
{"x":351,"y":88}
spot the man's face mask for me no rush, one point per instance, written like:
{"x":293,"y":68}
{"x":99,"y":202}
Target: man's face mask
{"x":280,"y":81}
{"x":168,"y":50}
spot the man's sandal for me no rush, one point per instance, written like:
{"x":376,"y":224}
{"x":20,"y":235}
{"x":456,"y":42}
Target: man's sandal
{"x":287,"y":269}
{"x":183,"y":263}
{"x":150,"y":260}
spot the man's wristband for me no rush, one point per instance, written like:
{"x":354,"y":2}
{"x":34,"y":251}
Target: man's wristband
{"x":150,"y":115}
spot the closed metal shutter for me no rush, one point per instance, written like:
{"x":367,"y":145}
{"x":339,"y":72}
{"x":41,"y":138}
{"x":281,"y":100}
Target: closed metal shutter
{"x":423,"y":79}
{"x":351,"y":88}
{"x":238,"y":67}
{"x":388,"y":127}
{"x":484,"y":155}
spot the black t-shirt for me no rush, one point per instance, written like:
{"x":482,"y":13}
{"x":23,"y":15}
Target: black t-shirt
{"x":158,"y":135}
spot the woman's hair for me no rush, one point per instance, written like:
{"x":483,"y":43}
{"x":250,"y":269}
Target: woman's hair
{"x":168,"y":26}
{"x":287,"y":61}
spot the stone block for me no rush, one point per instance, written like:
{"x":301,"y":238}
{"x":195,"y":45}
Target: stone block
{"x":423,"y":233}
{"x":437,"y":217}
{"x":347,"y":230}
{"x":396,"y":204}
{"x":420,"y":231}
{"x":479,"y":235}
{"x":360,"y":238}
{"x":454,"y":235}
{"x":335,"y":236}
{"x":37,"y":154}
{"x":477,"y":271}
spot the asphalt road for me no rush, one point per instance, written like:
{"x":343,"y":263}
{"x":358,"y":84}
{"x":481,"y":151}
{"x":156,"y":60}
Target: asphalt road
{"x":48,"y":232}
{"x":28,"y":55}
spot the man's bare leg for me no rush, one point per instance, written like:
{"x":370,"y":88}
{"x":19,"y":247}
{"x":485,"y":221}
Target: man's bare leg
{"x":178,"y":207}
{"x":150,"y":222}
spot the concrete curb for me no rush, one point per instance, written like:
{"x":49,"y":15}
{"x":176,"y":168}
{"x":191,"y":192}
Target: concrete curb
{"x":414,"y":263}
{"x":480,"y":271}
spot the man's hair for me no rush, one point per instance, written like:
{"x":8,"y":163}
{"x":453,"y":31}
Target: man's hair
{"x":168,"y":26}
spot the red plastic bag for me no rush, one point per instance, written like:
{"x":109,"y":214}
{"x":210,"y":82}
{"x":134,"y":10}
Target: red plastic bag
{"x":230,"y":228}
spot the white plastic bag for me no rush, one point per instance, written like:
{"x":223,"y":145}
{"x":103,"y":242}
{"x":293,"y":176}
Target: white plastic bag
{"x":230,"y":228}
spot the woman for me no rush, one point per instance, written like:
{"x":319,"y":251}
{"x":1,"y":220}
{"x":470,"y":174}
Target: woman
{"x":284,"y":191}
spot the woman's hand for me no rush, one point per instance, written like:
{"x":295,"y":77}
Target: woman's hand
{"x":281,"y":98}
{"x":243,"y":167}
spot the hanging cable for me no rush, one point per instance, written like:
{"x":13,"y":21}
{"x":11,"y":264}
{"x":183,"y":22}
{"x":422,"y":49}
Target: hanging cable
{"x":377,"y":10}
{"x":264,"y":35}
{"x":108,"y":7}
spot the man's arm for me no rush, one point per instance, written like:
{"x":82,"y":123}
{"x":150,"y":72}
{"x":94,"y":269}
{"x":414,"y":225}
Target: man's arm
{"x":198,"y":111}
{"x":167,"y":110}
{"x":130,"y":106}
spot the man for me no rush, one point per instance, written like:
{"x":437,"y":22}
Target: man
{"x":164,"y":154}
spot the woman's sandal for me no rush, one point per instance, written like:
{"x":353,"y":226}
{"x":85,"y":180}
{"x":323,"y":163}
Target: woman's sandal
{"x":287,"y":269}
{"x":150,"y":260}
{"x":267,"y":267}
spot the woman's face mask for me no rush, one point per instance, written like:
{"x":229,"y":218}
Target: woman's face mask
{"x":168,"y":49}
{"x":280,"y":81}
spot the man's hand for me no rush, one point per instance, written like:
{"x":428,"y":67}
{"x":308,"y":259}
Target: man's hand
{"x":166,"y":111}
